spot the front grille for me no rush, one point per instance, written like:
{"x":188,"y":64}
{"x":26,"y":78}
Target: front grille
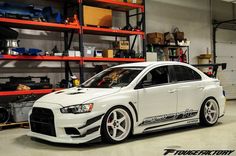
{"x":42,"y":121}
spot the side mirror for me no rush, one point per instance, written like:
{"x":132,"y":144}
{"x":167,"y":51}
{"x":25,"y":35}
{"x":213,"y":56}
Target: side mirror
{"x":146,"y":84}
{"x":143,"y":84}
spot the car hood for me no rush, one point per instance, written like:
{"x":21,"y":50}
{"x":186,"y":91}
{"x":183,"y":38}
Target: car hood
{"x":75,"y":96}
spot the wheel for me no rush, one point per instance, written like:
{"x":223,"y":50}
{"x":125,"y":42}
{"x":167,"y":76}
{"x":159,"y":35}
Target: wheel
{"x":209,"y":113}
{"x":116,"y":125}
{"x":4,"y":115}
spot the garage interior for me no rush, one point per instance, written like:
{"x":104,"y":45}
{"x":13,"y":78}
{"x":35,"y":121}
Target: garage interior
{"x":73,"y":40}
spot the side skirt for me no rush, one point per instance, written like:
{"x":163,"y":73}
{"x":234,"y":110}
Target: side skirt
{"x":171,"y":125}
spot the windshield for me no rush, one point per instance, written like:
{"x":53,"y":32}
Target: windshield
{"x":113,"y":77}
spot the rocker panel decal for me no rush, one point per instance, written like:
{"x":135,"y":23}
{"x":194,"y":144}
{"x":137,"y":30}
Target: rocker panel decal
{"x":189,"y":113}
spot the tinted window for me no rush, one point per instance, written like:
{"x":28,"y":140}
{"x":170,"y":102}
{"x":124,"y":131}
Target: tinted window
{"x":186,"y":74}
{"x":113,"y":77}
{"x":157,"y":76}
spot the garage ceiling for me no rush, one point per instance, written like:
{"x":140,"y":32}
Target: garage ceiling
{"x":231,"y":1}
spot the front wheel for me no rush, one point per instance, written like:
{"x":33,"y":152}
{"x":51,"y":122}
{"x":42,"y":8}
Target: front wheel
{"x":209,"y":112}
{"x":116,"y":125}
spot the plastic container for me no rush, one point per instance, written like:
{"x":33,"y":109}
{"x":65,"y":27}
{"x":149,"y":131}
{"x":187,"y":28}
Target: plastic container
{"x":89,"y":51}
{"x":20,"y":110}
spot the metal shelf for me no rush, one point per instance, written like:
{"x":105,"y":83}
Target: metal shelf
{"x":114,"y":5}
{"x":27,"y":24}
{"x":28,"y":92}
{"x":67,"y":58}
{"x":169,"y":46}
{"x":109,"y":32}
{"x":40,"y":58}
{"x":94,"y":59}
{"x":75,"y":27}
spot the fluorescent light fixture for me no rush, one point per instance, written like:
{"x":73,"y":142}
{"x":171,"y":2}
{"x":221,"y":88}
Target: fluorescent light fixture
{"x":231,"y":1}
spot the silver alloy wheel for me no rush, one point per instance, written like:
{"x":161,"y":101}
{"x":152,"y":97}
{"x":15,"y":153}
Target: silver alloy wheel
{"x":118,"y":124}
{"x":211,"y":111}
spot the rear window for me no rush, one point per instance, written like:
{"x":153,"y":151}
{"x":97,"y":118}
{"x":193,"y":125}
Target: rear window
{"x":184,"y":73}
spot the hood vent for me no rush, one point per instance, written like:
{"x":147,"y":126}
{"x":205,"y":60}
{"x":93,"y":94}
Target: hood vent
{"x":59,"y":92}
{"x":75,"y":93}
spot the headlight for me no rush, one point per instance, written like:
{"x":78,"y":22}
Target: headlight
{"x":78,"y":109}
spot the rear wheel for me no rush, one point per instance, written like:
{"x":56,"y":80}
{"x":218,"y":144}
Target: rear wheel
{"x":209,"y":112}
{"x":116,"y":125}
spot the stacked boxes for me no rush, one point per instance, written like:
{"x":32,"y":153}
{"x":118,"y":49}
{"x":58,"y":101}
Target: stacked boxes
{"x":155,"y":38}
{"x":131,"y":1}
{"x":100,"y":17}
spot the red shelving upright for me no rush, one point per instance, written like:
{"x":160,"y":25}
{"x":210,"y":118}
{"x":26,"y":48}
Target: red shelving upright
{"x":27,"y":24}
{"x":27,"y":92}
{"x":109,"y":32}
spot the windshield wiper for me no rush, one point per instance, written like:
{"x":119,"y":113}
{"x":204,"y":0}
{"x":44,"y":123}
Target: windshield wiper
{"x":81,"y":86}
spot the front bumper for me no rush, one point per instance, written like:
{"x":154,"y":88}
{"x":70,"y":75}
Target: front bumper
{"x":88,"y":126}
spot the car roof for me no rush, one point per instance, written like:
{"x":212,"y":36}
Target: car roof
{"x":147,"y":64}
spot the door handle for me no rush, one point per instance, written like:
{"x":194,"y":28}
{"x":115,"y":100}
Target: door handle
{"x":172,"y":91}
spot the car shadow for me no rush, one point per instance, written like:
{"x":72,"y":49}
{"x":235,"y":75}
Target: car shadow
{"x":42,"y":144}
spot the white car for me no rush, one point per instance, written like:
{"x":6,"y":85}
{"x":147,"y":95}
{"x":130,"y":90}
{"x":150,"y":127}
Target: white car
{"x":128,"y":99}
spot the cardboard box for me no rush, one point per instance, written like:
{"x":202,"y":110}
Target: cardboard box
{"x":108,"y":53}
{"x":131,"y":1}
{"x":97,"y":16}
{"x":135,"y":1}
{"x":179,"y":36}
{"x":151,"y":57}
{"x":123,"y":45}
{"x":155,"y":38}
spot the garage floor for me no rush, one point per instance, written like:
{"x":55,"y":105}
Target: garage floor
{"x":14,"y":142}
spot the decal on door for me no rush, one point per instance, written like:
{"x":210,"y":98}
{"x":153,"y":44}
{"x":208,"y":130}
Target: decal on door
{"x":189,"y":113}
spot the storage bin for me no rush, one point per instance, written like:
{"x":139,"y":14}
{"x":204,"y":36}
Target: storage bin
{"x":20,"y":110}
{"x":89,"y":51}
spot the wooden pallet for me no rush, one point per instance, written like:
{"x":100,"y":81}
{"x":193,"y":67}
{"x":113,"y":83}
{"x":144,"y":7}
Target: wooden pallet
{"x":14,"y":125}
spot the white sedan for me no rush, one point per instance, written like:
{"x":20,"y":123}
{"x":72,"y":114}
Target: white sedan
{"x":128,"y":99}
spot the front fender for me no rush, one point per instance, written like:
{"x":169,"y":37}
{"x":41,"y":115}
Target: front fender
{"x":126,"y":99}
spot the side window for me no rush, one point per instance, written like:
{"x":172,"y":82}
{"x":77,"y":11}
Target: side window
{"x":185,"y":74}
{"x":196,"y":75}
{"x":157,"y":76}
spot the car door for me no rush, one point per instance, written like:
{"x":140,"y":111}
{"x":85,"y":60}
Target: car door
{"x":157,"y":96}
{"x":190,"y":90}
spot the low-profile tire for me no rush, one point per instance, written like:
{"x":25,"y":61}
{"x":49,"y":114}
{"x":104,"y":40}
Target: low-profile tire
{"x":209,"y":113}
{"x":116,"y":125}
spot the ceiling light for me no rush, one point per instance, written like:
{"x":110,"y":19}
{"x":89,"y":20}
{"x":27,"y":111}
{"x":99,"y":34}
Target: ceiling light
{"x":231,"y":1}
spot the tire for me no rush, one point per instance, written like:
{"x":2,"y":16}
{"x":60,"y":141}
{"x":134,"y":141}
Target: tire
{"x":209,"y":113}
{"x":4,"y":115}
{"x":116,"y":125}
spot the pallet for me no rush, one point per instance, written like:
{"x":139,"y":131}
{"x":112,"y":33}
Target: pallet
{"x":95,"y":26}
{"x":14,"y":125}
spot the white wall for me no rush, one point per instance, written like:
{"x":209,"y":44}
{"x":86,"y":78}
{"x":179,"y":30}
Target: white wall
{"x":190,"y":16}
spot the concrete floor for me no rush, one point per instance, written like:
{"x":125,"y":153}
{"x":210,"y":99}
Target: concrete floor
{"x":14,"y":142}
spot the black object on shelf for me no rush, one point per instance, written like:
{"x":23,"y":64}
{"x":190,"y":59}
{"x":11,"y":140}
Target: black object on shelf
{"x":14,"y":82}
{"x":7,"y":33}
